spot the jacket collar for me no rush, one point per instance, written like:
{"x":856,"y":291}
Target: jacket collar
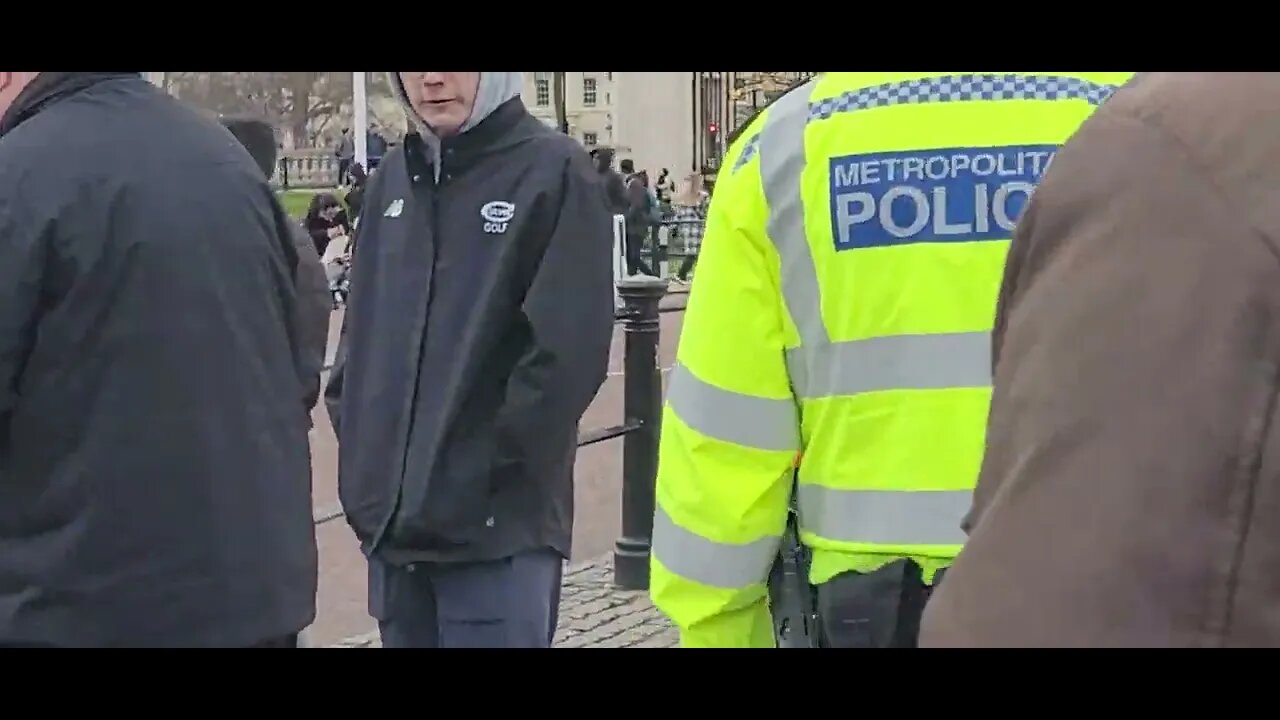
{"x":458,"y":152}
{"x":48,"y":88}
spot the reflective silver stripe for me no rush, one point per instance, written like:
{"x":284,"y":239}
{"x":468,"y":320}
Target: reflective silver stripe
{"x":893,"y":362}
{"x":817,"y":368}
{"x":721,"y":565}
{"x":782,"y":162}
{"x":756,"y":422}
{"x":884,"y":517}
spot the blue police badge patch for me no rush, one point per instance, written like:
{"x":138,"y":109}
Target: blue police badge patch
{"x":942,"y":195}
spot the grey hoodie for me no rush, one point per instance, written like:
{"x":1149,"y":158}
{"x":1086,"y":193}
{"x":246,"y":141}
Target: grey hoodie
{"x":495,"y":89}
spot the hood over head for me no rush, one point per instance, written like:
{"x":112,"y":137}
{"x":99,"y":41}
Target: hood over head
{"x":495,"y":89}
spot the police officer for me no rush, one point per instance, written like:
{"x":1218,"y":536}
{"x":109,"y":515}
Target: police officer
{"x":838,"y":343}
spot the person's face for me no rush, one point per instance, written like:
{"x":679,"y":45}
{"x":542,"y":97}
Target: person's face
{"x":11,"y":83}
{"x":329,"y":213}
{"x":442,"y":99}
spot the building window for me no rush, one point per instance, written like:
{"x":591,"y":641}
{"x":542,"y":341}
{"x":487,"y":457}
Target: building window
{"x":542,"y":89}
{"x":589,"y":92}
{"x":589,"y":139}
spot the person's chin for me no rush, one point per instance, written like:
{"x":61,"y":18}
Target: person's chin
{"x":435,"y":121}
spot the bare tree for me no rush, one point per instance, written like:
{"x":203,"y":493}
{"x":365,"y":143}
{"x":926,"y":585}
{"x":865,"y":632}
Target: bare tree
{"x":303,"y":103}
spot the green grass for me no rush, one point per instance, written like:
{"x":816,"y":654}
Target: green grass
{"x":295,"y":202}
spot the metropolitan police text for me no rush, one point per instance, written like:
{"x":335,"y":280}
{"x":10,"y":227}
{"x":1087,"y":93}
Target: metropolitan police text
{"x":945,"y":195}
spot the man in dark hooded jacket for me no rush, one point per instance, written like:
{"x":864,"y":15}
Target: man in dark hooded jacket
{"x":477,"y":333}
{"x":615,"y":189}
{"x":314,"y":303}
{"x":154,"y":468}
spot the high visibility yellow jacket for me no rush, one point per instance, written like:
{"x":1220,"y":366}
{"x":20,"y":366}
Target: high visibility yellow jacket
{"x":838,"y":332}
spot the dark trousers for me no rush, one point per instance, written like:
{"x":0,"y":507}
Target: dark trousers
{"x":508,"y":603}
{"x":686,"y":265}
{"x":635,"y":260}
{"x":880,"y":609}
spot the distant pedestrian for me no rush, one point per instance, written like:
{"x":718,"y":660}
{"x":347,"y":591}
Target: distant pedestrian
{"x":615,"y":189}
{"x":375,"y":148}
{"x":641,"y":219}
{"x":155,"y":475}
{"x":478,"y":333}
{"x":345,"y":151}
{"x":355,"y":196}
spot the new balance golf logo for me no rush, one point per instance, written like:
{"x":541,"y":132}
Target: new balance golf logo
{"x":496,"y":215}
{"x":395,"y":208}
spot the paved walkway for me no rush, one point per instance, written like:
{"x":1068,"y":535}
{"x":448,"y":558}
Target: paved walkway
{"x":593,"y":613}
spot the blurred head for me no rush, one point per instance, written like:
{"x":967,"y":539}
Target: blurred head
{"x":603,"y":158}
{"x":628,"y":166}
{"x":358,"y":175}
{"x":258,"y":137}
{"x":324,"y":205}
{"x":12,"y":83}
{"x":443,"y":100}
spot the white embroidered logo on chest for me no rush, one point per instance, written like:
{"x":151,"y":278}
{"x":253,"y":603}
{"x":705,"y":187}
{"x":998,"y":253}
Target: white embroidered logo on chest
{"x":496,"y":215}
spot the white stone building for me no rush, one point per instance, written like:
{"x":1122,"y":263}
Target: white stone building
{"x":646,"y":116}
{"x":589,"y":104}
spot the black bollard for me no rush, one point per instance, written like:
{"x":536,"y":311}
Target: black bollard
{"x":642,"y":405}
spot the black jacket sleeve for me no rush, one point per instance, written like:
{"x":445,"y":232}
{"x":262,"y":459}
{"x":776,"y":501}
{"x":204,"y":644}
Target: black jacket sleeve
{"x":314,"y":305}
{"x":333,"y":389}
{"x":569,"y":310}
{"x":617,"y":193}
{"x":371,"y":194}
{"x":21,"y":277}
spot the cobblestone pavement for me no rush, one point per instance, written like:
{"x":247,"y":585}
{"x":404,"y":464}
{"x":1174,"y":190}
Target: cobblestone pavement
{"x":593,"y":613}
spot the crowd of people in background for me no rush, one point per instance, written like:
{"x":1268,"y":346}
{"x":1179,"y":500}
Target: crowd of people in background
{"x":655,"y":212}
{"x":345,"y":150}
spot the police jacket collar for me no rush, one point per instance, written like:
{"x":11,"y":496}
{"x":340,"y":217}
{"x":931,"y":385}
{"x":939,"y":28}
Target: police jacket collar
{"x":49,"y":87}
{"x":459,"y":152}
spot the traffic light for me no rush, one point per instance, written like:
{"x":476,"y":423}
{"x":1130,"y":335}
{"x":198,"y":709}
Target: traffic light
{"x":713,"y":128}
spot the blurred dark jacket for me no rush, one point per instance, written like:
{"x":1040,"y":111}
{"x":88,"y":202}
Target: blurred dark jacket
{"x":155,"y":474}
{"x":314,"y":301}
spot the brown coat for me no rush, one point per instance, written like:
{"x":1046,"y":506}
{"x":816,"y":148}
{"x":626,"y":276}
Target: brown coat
{"x":1130,"y":495}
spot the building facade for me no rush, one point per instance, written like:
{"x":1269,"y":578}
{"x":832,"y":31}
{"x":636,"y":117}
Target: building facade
{"x":675,"y":120}
{"x":645,"y":116}
{"x":589,"y":104}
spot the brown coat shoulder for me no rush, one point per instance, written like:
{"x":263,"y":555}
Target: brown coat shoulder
{"x":1130,"y":494}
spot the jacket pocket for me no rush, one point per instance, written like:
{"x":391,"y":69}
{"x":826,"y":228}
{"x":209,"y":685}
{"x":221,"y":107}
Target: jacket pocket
{"x":452,"y":506}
